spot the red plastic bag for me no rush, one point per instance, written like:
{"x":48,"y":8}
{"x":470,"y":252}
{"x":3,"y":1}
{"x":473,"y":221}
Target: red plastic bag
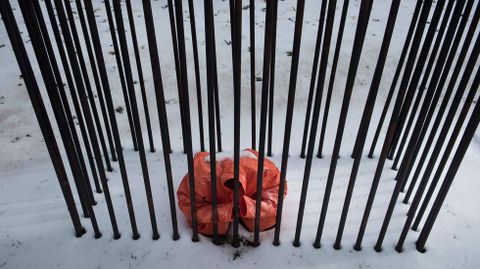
{"x":248,"y":185}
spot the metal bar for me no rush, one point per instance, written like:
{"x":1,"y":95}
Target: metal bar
{"x":97,"y":45}
{"x":198,"y":84}
{"x":96,"y":79}
{"x":263,"y":115}
{"x":118,"y":59}
{"x":313,"y":78}
{"x":367,"y":115}
{"x":253,"y":76}
{"x":292,"y":87}
{"x":271,"y":85}
{"x":399,"y":145}
{"x":138,"y":62}
{"x":388,"y":138}
{"x":88,"y":87}
{"x":361,"y":29}
{"x":449,"y":118}
{"x":88,"y":117}
{"x":413,"y":144}
{"x":73,"y":94}
{"x":406,"y":45}
{"x":450,"y":176}
{"x":237,"y":119}
{"x":160,"y":98}
{"x":136,"y":119}
{"x":40,"y":112}
{"x":186,"y":107}
{"x":423,"y":184}
{"x":331,"y":82}
{"x":448,"y":92}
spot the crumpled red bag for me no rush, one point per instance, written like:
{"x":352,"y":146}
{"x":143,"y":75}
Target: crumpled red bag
{"x":248,"y":190}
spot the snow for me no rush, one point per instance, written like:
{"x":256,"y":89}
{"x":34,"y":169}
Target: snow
{"x":35,"y":230}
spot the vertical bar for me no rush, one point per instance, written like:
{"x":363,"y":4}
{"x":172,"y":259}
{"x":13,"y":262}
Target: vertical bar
{"x":186,"y":107}
{"x":313,"y":78}
{"x":406,"y":45}
{"x":160,"y":98}
{"x":388,"y":138}
{"x":211,"y":118}
{"x":73,"y":94}
{"x":108,"y":98}
{"x":269,"y":21}
{"x":400,"y":144}
{"x":367,"y":115}
{"x":450,"y":115}
{"x":450,"y":176}
{"x":316,"y":115}
{"x":88,"y":117}
{"x":271,"y":85}
{"x":138,"y":62}
{"x":136,"y":120}
{"x":253,"y":76}
{"x":448,"y":91}
{"x":237,"y":88}
{"x":198,"y":84}
{"x":363,"y":18}
{"x":40,"y":112}
{"x":113,"y":34}
{"x":96,"y":79}
{"x":297,"y":39}
{"x":331,"y":82}
{"x":88,"y":87}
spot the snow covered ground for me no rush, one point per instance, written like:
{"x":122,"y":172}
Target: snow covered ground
{"x":35,"y":230}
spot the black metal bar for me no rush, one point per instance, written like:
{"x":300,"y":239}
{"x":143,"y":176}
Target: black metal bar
{"x":96,"y":79}
{"x":57,"y":105}
{"x":237,"y":119}
{"x":398,"y":145}
{"x":263,"y":115}
{"x":118,"y":59}
{"x":88,"y":117}
{"x":292,"y":87}
{"x":138,"y":62}
{"x":313,"y":78}
{"x":448,"y":92}
{"x":198,"y":84}
{"x":331,"y":82}
{"x":136,"y":119}
{"x":423,"y":184}
{"x":61,"y":91}
{"x":88,"y":87}
{"x":186,"y":107}
{"x":111,"y":110}
{"x":253,"y":76}
{"x":449,"y":118}
{"x":316,"y":114}
{"x":391,"y":129}
{"x":211,"y":119}
{"x":412,"y":81}
{"x":73,"y":94}
{"x":271,"y":85}
{"x":414,"y":143}
{"x":173,"y":32}
{"x":160,"y":98}
{"x":450,"y":176}
{"x":406,"y":45}
{"x":40,"y":112}
{"x":361,"y":29}
{"x":367,"y":115}
{"x":50,"y":73}
{"x":430,"y":106}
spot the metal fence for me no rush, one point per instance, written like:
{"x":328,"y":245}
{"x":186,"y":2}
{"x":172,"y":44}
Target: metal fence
{"x":431,"y":81}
